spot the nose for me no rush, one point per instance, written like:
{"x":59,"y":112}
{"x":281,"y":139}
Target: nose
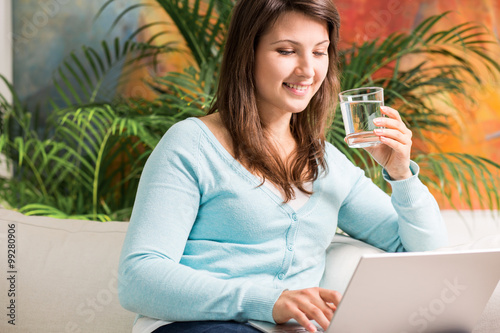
{"x":305,"y":67}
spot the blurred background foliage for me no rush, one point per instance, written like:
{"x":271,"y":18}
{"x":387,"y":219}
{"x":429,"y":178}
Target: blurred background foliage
{"x":87,"y":161}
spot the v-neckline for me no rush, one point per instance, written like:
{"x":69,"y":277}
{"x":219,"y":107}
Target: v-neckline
{"x":256,"y":180}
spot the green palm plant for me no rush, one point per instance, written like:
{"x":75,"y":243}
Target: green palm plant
{"x":88,"y":163}
{"x":413,"y":90}
{"x":73,"y":169}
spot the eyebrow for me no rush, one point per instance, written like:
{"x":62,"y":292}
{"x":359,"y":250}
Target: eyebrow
{"x":297,"y":43}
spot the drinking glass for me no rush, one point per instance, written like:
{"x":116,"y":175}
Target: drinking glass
{"x":359,"y":107}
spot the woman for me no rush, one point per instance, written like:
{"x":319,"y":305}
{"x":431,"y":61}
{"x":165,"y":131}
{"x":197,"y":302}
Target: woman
{"x":235,"y":210}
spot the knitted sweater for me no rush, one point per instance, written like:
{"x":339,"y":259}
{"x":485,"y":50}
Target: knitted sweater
{"x":205,"y":242}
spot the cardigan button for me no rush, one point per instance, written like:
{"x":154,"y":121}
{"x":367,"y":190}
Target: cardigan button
{"x":294,"y":217}
{"x":281,"y":276}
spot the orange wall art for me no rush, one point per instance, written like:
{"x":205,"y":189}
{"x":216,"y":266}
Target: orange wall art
{"x":477,"y":128}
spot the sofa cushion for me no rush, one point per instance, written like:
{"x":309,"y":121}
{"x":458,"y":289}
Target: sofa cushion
{"x":466,"y":226}
{"x":342,"y":257}
{"x":65,"y":276}
{"x":344,"y":253}
{"x":66,"y":272}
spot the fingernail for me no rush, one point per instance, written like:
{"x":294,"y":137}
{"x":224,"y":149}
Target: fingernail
{"x":378,"y":131}
{"x":312,"y":328}
{"x":377,"y":121}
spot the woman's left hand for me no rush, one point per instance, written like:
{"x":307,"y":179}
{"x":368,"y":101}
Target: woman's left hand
{"x":394,"y":152}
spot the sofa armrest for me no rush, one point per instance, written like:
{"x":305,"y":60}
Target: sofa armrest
{"x":342,"y":257}
{"x":66,"y":275}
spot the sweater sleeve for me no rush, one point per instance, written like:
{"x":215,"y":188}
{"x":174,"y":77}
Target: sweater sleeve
{"x":408,"y":220}
{"x":152,"y":281}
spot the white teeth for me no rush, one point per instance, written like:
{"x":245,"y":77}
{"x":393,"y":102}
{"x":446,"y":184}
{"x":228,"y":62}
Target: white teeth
{"x":297,"y":87}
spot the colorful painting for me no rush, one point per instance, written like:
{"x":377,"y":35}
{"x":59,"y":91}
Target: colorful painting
{"x":479,"y":127}
{"x":45,"y":32}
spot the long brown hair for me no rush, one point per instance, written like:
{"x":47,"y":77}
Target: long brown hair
{"x":236,"y":99}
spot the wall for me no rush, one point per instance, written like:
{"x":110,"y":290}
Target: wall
{"x":6,"y":43}
{"x":52,"y":31}
{"x":5,"y":57}
{"x":365,"y":20}
{"x":478,"y":127}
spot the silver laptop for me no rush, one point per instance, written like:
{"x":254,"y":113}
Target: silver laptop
{"x":415,"y":292}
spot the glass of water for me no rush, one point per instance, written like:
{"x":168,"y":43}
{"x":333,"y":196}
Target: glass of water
{"x":359,"y":107}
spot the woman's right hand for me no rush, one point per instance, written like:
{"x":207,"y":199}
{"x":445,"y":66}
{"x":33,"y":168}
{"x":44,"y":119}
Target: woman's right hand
{"x":305,"y":305}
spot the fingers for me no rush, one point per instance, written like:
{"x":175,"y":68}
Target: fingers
{"x":394,"y":128}
{"x":325,"y":306}
{"x":390,"y":112}
{"x":392,"y":123}
{"x":304,"y":320}
{"x":318,"y":310}
{"x":392,"y":135}
{"x":305,"y":305}
{"x":394,"y":155}
{"x":330,"y":296}
{"x":393,"y":120}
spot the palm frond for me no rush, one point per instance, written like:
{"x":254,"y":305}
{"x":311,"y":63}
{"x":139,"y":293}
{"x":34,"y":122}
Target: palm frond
{"x":473,"y":179}
{"x":47,"y":210}
{"x":77,"y":161}
{"x":92,"y":75}
{"x":89,"y":163}
{"x":202,"y":24}
{"x":450,"y":66}
{"x":414,"y":88}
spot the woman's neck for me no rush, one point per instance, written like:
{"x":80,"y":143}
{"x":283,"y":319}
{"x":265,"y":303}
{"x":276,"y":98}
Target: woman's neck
{"x":278,"y":132}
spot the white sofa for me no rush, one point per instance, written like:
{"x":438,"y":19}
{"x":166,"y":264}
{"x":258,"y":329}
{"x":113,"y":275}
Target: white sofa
{"x":65,"y":271}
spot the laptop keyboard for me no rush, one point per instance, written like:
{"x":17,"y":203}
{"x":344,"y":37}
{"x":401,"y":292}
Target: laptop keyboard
{"x":290,"y":329}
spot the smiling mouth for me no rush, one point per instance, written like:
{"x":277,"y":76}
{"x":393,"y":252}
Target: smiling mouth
{"x":295,"y":86}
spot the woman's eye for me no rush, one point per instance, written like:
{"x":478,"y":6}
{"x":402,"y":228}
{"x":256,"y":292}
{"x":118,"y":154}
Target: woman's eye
{"x":320,"y":53}
{"x":285,"y":52}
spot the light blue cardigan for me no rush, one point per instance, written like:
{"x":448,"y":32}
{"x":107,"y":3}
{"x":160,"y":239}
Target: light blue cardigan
{"x":206,"y":243}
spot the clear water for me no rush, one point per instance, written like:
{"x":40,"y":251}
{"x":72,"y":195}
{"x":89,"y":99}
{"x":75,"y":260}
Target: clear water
{"x":358,"y":122}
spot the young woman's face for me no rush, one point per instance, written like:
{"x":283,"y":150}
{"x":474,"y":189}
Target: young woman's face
{"x":291,"y":62}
